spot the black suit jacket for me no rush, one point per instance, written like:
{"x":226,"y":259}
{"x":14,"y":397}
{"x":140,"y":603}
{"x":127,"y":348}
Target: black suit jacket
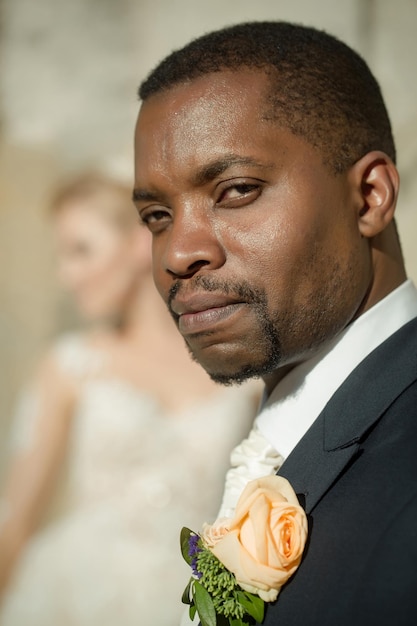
{"x":355,"y":471}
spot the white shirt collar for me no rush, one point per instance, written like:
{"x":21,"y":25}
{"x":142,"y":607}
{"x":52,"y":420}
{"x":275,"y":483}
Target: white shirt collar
{"x":299,"y":398}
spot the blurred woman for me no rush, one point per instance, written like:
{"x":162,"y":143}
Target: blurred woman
{"x":122,"y":420}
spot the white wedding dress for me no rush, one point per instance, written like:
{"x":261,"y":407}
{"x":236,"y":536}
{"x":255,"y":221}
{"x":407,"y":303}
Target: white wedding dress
{"x":135,"y":476}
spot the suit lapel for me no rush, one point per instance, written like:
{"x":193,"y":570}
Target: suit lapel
{"x":311,"y":469}
{"x":335,"y":437}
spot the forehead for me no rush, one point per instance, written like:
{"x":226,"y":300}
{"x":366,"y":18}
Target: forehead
{"x":244,"y":86}
{"x":192,"y":112}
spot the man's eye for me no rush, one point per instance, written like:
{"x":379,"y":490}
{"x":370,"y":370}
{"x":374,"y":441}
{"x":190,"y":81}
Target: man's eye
{"x":239,"y":194}
{"x":153,"y":216}
{"x":154,"y":219}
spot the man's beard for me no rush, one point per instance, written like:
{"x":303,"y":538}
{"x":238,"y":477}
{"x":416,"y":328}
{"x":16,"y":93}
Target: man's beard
{"x":266,"y":330}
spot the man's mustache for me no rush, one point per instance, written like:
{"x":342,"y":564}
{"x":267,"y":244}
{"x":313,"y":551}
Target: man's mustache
{"x":239,"y":290}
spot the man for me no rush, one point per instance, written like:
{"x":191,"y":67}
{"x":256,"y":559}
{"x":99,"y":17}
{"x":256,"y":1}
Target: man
{"x":265,"y":171}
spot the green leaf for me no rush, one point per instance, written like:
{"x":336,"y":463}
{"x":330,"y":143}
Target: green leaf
{"x":252,"y":604}
{"x":204,"y":605}
{"x":186,"y":596}
{"x":185,"y":546}
{"x":192,"y":611}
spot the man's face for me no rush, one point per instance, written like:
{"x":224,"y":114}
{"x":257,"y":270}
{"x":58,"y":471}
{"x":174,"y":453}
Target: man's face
{"x":256,"y":245}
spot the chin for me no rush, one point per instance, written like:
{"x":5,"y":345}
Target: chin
{"x":226,"y":371}
{"x":234,"y":364}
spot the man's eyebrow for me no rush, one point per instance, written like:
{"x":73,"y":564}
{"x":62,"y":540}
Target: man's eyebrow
{"x":141,"y":195}
{"x":205,"y":175}
{"x":210,"y":171}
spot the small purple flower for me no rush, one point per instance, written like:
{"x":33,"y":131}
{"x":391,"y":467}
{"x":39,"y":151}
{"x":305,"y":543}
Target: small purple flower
{"x":196,"y":573}
{"x":193,"y":547}
{"x":193,"y":551}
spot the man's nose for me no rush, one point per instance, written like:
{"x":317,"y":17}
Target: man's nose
{"x":192,"y":244}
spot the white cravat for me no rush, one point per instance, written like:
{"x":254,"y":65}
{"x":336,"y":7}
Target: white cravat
{"x":253,"y":458}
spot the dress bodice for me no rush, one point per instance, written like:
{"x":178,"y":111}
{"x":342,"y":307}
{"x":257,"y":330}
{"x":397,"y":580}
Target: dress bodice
{"x":136,"y":473}
{"x":125,"y":446}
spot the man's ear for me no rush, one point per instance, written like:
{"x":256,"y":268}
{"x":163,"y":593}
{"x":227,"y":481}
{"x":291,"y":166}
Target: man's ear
{"x":376,"y":181}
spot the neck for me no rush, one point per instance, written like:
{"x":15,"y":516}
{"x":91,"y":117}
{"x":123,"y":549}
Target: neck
{"x":388,"y":267}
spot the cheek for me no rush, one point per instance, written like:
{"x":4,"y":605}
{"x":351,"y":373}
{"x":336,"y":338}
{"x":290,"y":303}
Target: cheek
{"x":262,"y":256}
{"x":75,"y":271}
{"x":97,"y":268}
{"x":121,"y":266}
{"x":161,"y":278}
{"x":295,"y":256}
{"x":249,"y":239}
{"x":107,"y":271}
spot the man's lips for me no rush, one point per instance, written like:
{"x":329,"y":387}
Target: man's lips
{"x":200,"y":313}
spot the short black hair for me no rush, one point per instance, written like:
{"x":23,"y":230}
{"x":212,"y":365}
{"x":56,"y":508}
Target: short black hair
{"x":320,"y":88}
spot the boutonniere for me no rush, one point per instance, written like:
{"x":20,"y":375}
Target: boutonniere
{"x":238,"y":564}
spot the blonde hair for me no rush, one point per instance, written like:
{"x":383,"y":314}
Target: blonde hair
{"x":96,"y":191}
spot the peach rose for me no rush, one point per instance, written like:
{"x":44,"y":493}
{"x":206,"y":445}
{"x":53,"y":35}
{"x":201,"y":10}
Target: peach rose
{"x":211,"y":534}
{"x":266,"y":538}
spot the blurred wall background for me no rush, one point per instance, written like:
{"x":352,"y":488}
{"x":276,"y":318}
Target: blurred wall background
{"x":68,"y":80}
